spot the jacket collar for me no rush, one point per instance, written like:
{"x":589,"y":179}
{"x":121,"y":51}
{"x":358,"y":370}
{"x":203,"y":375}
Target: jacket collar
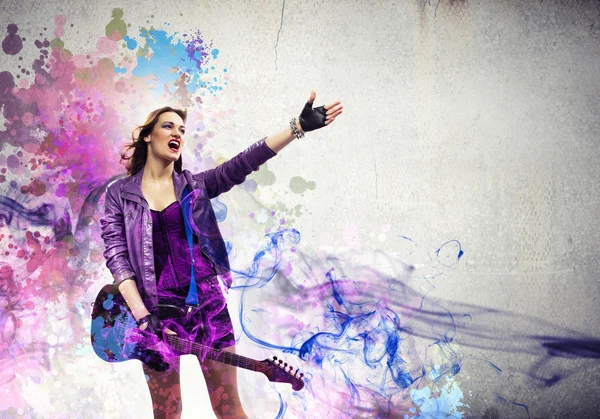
{"x":132,"y":189}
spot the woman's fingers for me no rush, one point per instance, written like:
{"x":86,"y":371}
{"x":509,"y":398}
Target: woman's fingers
{"x":334,"y":110}
{"x":333,"y":116}
{"x":327,"y":107}
{"x":329,"y":121}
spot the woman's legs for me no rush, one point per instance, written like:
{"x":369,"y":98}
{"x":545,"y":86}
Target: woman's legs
{"x":165,"y":391}
{"x":221,"y":381}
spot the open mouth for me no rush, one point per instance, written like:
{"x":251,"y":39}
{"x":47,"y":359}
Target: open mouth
{"x":174,"y":145}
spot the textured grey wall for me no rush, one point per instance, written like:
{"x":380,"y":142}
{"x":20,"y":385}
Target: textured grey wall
{"x":474,"y":121}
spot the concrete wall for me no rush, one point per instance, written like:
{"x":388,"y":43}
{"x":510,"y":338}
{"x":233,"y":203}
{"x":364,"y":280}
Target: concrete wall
{"x":469,"y":121}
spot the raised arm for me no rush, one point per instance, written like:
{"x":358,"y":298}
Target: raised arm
{"x":233,"y":172}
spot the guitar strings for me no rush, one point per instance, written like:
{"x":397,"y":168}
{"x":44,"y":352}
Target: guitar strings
{"x":227,"y":357}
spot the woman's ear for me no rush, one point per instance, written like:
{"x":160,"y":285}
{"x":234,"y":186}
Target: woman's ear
{"x":147,"y":139}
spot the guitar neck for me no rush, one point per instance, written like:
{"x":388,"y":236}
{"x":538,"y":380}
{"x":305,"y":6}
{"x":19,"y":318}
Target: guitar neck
{"x":217,"y":355}
{"x":116,"y":338}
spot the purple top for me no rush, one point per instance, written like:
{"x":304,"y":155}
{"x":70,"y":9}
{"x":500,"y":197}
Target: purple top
{"x":172,"y":259}
{"x":127,"y":221}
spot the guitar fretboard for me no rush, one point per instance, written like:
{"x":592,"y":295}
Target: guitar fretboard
{"x":225,"y":357}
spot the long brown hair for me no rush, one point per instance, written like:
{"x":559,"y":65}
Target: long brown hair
{"x":136,"y":160}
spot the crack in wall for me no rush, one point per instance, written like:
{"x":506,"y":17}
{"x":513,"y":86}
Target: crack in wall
{"x":278,"y":32}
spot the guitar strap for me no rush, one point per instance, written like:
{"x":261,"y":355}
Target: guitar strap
{"x":192,"y":296}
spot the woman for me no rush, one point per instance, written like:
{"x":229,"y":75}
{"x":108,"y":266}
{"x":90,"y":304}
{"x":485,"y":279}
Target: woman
{"x":155,"y":258}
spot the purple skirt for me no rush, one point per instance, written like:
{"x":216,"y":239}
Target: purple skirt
{"x":208,"y":324}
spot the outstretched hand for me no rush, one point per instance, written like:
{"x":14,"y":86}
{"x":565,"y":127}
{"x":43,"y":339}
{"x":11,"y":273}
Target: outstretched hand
{"x":315,"y":118}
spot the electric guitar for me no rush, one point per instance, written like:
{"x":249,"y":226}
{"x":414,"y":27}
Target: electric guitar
{"x":115,"y":338}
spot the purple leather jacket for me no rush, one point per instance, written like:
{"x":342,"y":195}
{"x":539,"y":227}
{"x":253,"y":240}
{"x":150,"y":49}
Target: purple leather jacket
{"x":127,"y":221}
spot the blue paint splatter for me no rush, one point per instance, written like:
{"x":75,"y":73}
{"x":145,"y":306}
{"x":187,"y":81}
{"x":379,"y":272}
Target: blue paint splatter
{"x":166,"y":54}
{"x":130,"y":42}
{"x":442,"y":407}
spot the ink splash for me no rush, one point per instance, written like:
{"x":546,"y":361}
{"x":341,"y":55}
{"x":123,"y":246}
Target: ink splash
{"x":360,"y":340}
{"x":65,"y":116}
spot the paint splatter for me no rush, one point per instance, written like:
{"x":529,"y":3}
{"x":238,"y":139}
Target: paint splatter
{"x":65,"y":117}
{"x":444,"y":406}
{"x":116,"y":28}
{"x":12,"y":43}
{"x":298,"y":185}
{"x":264,"y":177}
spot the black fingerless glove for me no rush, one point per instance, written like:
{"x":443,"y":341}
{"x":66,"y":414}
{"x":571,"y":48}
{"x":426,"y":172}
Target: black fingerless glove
{"x":149,"y":337}
{"x":312,"y":119}
{"x":154,"y":325}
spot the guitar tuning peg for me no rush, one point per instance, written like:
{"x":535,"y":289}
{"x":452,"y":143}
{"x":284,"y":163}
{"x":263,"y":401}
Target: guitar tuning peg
{"x":301,"y":375}
{"x":285,"y":365}
{"x":274,"y":358}
{"x":291,"y":368}
{"x":280,"y":362}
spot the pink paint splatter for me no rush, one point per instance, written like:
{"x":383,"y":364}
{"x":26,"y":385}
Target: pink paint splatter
{"x":68,"y":114}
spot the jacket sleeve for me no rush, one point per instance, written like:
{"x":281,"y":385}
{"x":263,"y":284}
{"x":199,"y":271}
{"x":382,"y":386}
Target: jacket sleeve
{"x":113,"y":234}
{"x":233,"y":172}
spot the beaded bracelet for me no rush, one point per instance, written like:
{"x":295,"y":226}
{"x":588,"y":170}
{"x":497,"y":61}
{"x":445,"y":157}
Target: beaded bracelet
{"x":297,"y":133}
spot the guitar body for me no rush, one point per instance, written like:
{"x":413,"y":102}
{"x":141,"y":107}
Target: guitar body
{"x":112,"y":323}
{"x":116,"y":338}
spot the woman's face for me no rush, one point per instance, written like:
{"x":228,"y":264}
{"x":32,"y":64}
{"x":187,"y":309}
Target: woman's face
{"x":165,"y":142}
